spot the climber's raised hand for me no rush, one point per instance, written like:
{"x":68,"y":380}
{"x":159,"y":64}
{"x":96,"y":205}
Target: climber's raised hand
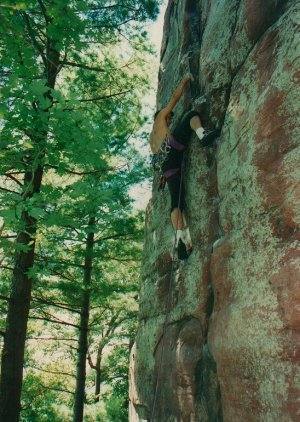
{"x":162,"y":121}
{"x":188,"y":77}
{"x":177,"y":93}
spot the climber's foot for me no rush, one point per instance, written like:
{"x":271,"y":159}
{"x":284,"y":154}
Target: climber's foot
{"x":210,"y":136}
{"x":183,"y":251}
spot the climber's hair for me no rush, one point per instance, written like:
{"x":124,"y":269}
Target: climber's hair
{"x":158,"y":111}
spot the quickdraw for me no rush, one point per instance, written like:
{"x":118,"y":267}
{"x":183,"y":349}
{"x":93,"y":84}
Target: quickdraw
{"x":158,"y":159}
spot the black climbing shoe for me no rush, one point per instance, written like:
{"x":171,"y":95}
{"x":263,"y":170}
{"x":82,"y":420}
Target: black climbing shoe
{"x":210,"y":136}
{"x":182,"y":251}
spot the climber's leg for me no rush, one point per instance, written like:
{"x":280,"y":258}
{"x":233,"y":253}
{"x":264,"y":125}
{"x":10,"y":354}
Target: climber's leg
{"x":207,"y":137}
{"x":177,"y":219}
{"x":182,"y":237}
{"x":195,"y":123}
{"x":177,"y":193}
{"x":183,"y":243}
{"x":180,"y":226}
{"x":197,"y":127}
{"x":185,"y":234}
{"x":191,"y":121}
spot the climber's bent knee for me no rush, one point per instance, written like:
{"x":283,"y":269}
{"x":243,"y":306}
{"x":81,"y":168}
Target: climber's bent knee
{"x":195,"y":123}
{"x":177,"y":192}
{"x":177,"y":219}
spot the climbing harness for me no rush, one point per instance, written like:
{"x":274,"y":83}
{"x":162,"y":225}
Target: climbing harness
{"x":158,"y":159}
{"x":168,"y":307}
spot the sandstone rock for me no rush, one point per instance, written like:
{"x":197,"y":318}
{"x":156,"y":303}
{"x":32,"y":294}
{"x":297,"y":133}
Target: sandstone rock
{"x":230,"y":344}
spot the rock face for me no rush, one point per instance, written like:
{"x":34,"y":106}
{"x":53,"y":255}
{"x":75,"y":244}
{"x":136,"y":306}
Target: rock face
{"x":218,"y":335}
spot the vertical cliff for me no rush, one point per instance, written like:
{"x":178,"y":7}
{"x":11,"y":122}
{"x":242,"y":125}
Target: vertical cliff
{"x":229,"y":341}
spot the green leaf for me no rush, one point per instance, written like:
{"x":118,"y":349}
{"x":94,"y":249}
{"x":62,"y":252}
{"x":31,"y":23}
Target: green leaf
{"x":36,"y":212}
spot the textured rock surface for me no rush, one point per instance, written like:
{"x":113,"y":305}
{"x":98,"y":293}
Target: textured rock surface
{"x":230,"y":340}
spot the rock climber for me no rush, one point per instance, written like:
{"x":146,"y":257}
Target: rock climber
{"x":168,"y":149}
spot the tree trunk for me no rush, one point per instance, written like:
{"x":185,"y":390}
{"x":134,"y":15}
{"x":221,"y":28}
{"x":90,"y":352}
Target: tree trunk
{"x":98,"y":374}
{"x":19,"y":303}
{"x":84,"y":323}
{"x":16,"y":326}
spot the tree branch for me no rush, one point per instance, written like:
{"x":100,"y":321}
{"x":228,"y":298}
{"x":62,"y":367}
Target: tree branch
{"x":44,"y":11}
{"x":82,"y":66}
{"x":103,"y":97}
{"x":9,"y":191}
{"x":5,"y":267}
{"x":63,"y":276}
{"x":113,"y":258}
{"x":89,"y":358}
{"x":69,"y":324}
{"x":56,"y":305}
{"x":52,"y":339}
{"x":51,"y":372}
{"x":62,"y":390}
{"x":32,"y":37}
{"x":114,"y":236}
{"x":71,"y":264}
{"x":10,"y":176}
{"x":77,"y":173}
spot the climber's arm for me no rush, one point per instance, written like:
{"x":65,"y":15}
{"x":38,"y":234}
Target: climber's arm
{"x":160,"y":127}
{"x":177,"y":95}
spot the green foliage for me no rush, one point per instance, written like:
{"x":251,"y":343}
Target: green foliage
{"x":116,"y":375}
{"x":93,"y":110}
{"x":72,"y":76}
{"x":37,"y":405}
{"x":116,"y":369}
{"x":116,"y":408}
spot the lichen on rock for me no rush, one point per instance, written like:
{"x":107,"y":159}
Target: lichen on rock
{"x":228,"y":348}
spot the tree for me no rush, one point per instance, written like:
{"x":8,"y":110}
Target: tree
{"x":30,"y":159}
{"x":87,"y":228}
{"x":51,"y":89}
{"x":116,"y":368}
{"x":94,"y":295}
{"x":38,"y":403}
{"x":117,"y":323}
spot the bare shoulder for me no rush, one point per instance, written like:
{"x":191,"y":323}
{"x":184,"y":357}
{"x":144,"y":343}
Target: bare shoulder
{"x":160,"y":124}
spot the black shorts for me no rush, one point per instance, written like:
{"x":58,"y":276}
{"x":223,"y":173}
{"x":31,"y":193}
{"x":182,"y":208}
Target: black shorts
{"x":177,"y":191}
{"x":182,"y":133}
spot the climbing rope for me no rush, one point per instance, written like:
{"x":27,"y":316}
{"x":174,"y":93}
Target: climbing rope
{"x":166,"y":321}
